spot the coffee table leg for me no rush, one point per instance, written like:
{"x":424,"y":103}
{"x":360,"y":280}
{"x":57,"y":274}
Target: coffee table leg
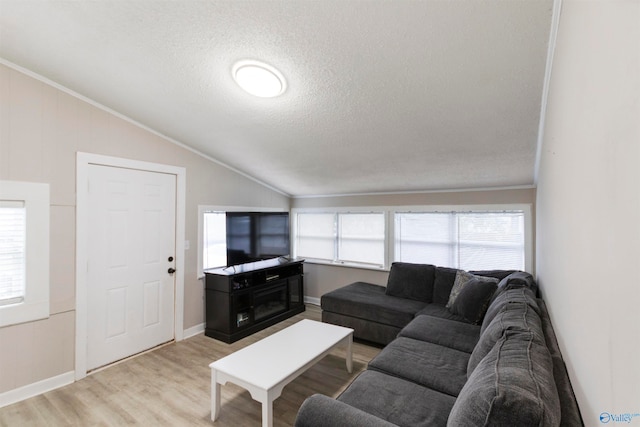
{"x":349,"y":353}
{"x":215,"y":396}
{"x":267,"y":413}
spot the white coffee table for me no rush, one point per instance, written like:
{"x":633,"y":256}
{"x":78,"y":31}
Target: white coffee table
{"x":265,"y":367}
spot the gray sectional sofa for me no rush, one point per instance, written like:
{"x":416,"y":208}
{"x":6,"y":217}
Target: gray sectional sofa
{"x":462,"y":349}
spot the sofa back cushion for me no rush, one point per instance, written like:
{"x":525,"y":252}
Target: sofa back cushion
{"x":515,"y":280}
{"x":512,"y":316}
{"x":411,"y":281}
{"x":522,"y":295}
{"x":512,"y":386}
{"x":444,"y":279}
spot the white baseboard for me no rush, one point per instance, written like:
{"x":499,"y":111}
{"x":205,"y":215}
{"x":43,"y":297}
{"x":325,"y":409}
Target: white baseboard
{"x":34,"y":389}
{"x":30,"y":390}
{"x":193,"y":331}
{"x":312,"y":300}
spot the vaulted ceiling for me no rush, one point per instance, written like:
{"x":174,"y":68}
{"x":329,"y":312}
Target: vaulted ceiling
{"x":382,"y":96}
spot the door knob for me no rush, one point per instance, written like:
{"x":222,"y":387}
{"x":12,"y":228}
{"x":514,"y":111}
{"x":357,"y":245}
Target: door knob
{"x":171,"y":270}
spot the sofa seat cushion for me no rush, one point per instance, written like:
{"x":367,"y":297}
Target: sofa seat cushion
{"x":367,"y":330}
{"x":370,"y":302}
{"x":398,"y":401}
{"x":512,"y":386}
{"x":413,"y":281}
{"x":448,"y":333}
{"x":440,"y":368}
{"x":322,"y":411}
{"x":439,"y":310}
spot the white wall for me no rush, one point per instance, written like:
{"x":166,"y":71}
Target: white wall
{"x":41,"y":129}
{"x":588,"y":204}
{"x":320,"y":279}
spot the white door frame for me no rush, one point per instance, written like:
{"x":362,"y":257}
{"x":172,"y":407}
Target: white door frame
{"x":83,"y":161}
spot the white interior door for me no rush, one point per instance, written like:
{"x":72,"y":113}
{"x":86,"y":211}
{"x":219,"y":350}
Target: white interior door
{"x":132,"y":241}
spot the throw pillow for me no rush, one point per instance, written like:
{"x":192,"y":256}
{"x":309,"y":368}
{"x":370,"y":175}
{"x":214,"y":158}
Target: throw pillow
{"x":462,"y":277}
{"x":412,"y":281}
{"x":497,"y":274}
{"x":473,"y":300}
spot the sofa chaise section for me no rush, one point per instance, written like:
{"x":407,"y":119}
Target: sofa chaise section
{"x":366,"y":308}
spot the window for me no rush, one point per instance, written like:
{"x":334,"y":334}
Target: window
{"x":316,"y":235}
{"x":13,"y":259}
{"x":214,"y":248}
{"x":24,"y":252}
{"x":464,"y":240}
{"x":464,"y":237}
{"x":424,"y":238}
{"x":212,"y":236}
{"x":356,"y":238}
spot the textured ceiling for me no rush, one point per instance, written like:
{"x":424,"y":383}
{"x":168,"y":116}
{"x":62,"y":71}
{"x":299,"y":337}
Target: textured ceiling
{"x":382,"y":96}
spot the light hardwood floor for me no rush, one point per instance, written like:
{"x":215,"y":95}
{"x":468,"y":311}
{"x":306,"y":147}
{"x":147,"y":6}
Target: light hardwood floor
{"x":170,"y":386}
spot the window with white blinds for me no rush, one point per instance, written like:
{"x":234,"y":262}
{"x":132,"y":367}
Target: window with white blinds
{"x":361,"y":238}
{"x":316,"y":235}
{"x":478,"y":237}
{"x":24,"y":252}
{"x":214,"y":236}
{"x":464,"y":240}
{"x":13,"y":235}
{"x":355,"y":238}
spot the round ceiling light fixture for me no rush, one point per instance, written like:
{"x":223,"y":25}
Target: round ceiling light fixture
{"x":259,"y":79}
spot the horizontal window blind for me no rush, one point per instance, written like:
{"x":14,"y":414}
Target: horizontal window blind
{"x":214,"y":247}
{"x":24,"y":252}
{"x":361,"y":238}
{"x":464,"y":240}
{"x":12,"y":252}
{"x":425,"y":239}
{"x":491,"y":240}
{"x":341,"y":237}
{"x":315,"y":236}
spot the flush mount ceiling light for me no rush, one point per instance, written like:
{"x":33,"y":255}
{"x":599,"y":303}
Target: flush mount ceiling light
{"x":259,"y":79}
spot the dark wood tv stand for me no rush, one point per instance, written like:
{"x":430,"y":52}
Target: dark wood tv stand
{"x":244,"y":299}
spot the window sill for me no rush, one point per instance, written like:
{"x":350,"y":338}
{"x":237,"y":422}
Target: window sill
{"x":346,"y":264}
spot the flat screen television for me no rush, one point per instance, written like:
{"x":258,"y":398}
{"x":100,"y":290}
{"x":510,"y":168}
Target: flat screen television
{"x":256,"y":236}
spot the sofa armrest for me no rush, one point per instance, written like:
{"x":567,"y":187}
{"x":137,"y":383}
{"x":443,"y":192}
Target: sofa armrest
{"x":323,"y":411}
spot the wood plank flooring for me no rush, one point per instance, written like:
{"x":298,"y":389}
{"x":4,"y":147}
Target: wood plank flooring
{"x":170,"y":386}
